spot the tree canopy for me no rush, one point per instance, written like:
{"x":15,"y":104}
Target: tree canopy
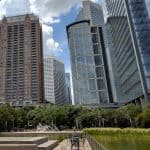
{"x":68,"y":117}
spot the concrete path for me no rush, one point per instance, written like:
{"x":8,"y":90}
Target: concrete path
{"x":65,"y":145}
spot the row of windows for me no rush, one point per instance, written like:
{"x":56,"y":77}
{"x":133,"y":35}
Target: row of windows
{"x":86,"y":97}
{"x":91,"y":84}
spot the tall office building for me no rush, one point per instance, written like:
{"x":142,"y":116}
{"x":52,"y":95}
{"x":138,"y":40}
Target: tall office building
{"x":68,"y":88}
{"x":112,"y":65}
{"x":91,"y":83}
{"x":54,"y":81}
{"x":21,"y":76}
{"x":130,"y":30}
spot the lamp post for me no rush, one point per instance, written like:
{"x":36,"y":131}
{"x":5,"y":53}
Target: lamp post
{"x":116,"y":123}
{"x":77,"y":123}
{"x":13,"y":120}
{"x":6,"y":125}
{"x":103,"y":122}
{"x":131,"y":123}
{"x":99,"y":120}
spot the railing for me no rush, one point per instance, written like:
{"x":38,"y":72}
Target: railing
{"x":95,"y":145}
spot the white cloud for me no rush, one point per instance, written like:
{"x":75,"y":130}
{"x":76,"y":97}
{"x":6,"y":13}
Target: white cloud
{"x":51,"y":47}
{"x":52,"y":43}
{"x":2,"y":9}
{"x":94,"y":0}
{"x":48,"y":20}
{"x":52,"y":8}
{"x":13,"y":7}
{"x":47,"y":29}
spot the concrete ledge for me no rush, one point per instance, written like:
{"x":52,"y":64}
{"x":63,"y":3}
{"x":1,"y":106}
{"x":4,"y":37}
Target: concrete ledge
{"x":37,"y":133}
{"x":23,"y":140}
{"x":48,"y":145}
{"x":18,"y":147}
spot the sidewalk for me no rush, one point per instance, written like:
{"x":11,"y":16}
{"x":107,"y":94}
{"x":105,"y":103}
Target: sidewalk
{"x":65,"y":145}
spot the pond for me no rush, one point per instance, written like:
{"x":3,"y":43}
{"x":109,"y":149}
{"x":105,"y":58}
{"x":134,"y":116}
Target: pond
{"x":124,"y":142}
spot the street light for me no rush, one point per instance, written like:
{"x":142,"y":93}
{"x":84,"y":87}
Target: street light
{"x":103,"y":122}
{"x":99,"y":121}
{"x":6,"y":124}
{"x":116,"y":122}
{"x":131,"y":123}
{"x":77,"y":123}
{"x":13,"y":120}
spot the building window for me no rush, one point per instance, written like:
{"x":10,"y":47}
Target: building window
{"x":89,"y":60}
{"x":93,"y":29}
{"x":91,"y":72}
{"x":92,"y":84}
{"x":96,"y":49}
{"x":80,"y":60}
{"x":95,"y":38}
{"x":103,"y":97}
{"x":98,"y":60}
{"x":99,"y":72}
{"x":79,"y":50}
{"x":101,"y":84}
{"x":93,"y":95}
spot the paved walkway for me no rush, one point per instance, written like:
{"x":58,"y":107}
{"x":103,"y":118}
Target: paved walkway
{"x":65,"y":145}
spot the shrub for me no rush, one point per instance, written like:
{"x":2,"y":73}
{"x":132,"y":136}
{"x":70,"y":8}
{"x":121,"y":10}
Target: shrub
{"x":143,"y":119}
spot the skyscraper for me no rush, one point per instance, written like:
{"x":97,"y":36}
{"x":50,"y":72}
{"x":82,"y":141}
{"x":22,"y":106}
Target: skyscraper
{"x":130,"y":27}
{"x":91,"y":83}
{"x":54,"y":81}
{"x":21,"y":74}
{"x":49,"y":80}
{"x":68,"y":88}
{"x":112,"y":65}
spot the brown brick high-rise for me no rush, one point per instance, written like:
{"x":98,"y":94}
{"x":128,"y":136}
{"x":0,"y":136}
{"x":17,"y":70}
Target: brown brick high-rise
{"x":21,"y":54}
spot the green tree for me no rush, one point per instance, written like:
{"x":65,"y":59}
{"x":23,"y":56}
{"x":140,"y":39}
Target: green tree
{"x":6,"y":117}
{"x":143,"y":119}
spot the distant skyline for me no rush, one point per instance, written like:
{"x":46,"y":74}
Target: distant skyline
{"x":54,"y":16}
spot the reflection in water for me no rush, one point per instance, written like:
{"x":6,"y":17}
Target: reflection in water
{"x":125,"y":142}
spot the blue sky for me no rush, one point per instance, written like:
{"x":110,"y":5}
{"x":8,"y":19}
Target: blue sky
{"x":61,"y":36}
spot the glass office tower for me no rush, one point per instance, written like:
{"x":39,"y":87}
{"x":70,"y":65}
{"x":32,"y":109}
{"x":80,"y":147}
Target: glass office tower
{"x":91,"y":84}
{"x":130,"y":28}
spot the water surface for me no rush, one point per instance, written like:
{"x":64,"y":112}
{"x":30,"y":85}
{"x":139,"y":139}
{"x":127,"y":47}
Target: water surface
{"x":124,"y":142}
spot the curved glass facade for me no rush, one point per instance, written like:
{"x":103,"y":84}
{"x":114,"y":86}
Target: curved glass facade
{"x":88,"y":57}
{"x":89,"y":80}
